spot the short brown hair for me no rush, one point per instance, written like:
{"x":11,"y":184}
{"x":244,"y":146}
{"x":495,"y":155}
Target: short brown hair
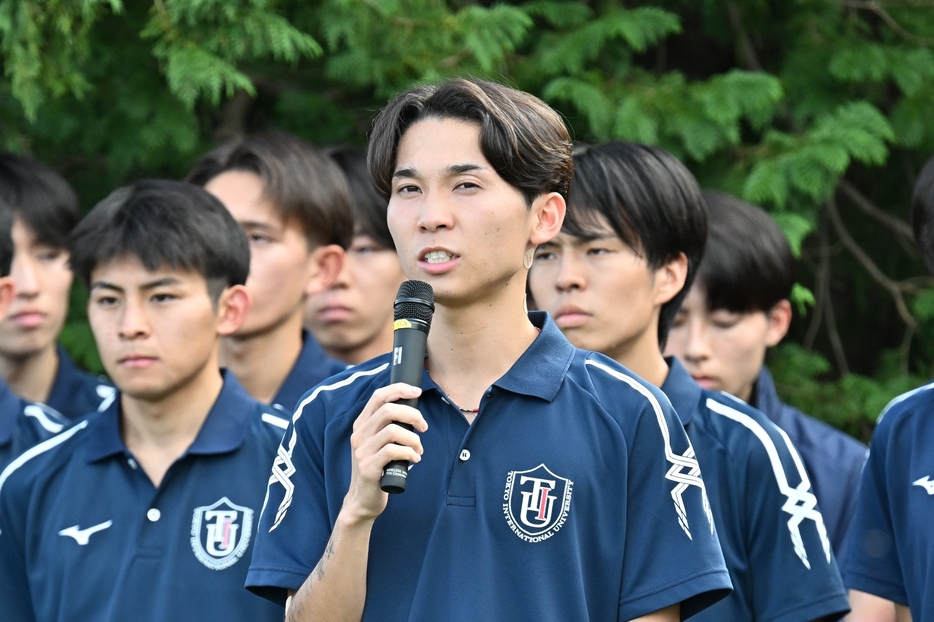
{"x":524,"y":140}
{"x":304,"y":184}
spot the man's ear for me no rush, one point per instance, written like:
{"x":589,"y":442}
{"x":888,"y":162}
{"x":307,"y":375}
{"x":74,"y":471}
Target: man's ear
{"x":779,"y":318}
{"x":548,"y":211}
{"x":7,"y":292}
{"x":325,"y":263}
{"x":233,"y":306}
{"x":670,"y":278}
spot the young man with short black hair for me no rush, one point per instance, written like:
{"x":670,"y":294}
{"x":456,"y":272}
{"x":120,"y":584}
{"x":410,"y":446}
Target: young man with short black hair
{"x":613,"y":280}
{"x":22,"y":423}
{"x":45,"y":210}
{"x":547,"y":483}
{"x":889,"y":567}
{"x":352,"y":319}
{"x":144,"y":510}
{"x":737,"y":309}
{"x":294,"y":204}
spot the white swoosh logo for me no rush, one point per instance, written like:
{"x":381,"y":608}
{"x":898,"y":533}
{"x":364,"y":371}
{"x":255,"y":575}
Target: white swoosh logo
{"x":925,"y":483}
{"x":81,"y":536}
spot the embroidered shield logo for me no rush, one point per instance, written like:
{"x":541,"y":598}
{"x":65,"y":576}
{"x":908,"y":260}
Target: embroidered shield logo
{"x":220,"y":533}
{"x":536,"y":503}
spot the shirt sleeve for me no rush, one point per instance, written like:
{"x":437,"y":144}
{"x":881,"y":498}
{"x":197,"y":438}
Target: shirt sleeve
{"x":872,"y":562}
{"x":672,"y":553}
{"x":787,"y":540}
{"x":295,"y":525}
{"x":14,"y":582}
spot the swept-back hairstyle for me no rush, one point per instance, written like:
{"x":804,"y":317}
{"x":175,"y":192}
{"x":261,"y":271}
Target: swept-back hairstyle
{"x":922,"y":213}
{"x":748,"y":265}
{"x":369,"y":208}
{"x":164,"y":224}
{"x":40,"y":197}
{"x":522,"y":138}
{"x":649,"y":199}
{"x":304,"y":184}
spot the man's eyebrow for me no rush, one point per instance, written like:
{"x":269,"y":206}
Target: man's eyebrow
{"x":405,"y":172}
{"x":454,"y":169}
{"x":168,"y":280}
{"x":105,"y":285}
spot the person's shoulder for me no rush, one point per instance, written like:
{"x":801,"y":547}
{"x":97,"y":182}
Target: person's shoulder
{"x":335,"y":394}
{"x":613,"y":386}
{"x":45,"y":459}
{"x":745,"y":432}
{"x":910,"y":414}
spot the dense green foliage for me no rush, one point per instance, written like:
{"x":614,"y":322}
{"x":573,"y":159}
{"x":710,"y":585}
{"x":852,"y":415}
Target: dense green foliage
{"x":822,"y":111}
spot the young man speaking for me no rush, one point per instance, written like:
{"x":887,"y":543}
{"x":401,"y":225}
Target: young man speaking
{"x":548,"y":483}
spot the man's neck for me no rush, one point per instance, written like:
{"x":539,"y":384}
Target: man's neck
{"x":470,"y":348}
{"x":158,"y":431}
{"x":645,"y":360}
{"x":262,"y":361}
{"x":31,"y":377}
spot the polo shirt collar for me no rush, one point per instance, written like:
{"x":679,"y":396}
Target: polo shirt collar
{"x":766,"y":396}
{"x":540,"y":370}
{"x":681,"y":390}
{"x":11,"y":407}
{"x":222,"y":432}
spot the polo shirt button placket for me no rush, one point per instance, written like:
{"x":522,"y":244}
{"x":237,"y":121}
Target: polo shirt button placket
{"x":465,"y":455}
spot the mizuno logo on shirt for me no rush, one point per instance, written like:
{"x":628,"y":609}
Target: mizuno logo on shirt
{"x":82,"y":536}
{"x":925,"y":483}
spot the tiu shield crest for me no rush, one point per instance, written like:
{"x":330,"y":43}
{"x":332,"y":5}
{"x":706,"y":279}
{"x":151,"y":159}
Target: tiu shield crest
{"x":220,"y":533}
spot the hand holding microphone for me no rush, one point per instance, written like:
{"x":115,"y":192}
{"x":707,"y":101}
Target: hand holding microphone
{"x":414,"y":307}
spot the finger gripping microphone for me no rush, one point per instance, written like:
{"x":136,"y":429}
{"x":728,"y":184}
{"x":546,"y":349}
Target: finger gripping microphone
{"x":414,"y":306}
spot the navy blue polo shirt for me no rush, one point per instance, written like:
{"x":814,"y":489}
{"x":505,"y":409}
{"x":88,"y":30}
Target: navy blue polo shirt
{"x":574,"y":495}
{"x":890,"y":544}
{"x":74,"y":392}
{"x":24,"y":424}
{"x":771,"y":531}
{"x":834,"y":460}
{"x":312,"y":366}
{"x":84,"y":534}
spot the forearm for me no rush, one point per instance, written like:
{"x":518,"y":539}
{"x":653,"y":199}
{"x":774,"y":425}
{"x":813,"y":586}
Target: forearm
{"x":335,"y":591}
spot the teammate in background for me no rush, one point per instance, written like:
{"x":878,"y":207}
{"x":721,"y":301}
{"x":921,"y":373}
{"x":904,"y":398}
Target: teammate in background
{"x":144,"y":510}
{"x":889,"y":568}
{"x":45,"y":210}
{"x":294,"y":204}
{"x":613,"y":280}
{"x":352,"y":320}
{"x":737,"y":309}
{"x":548,"y":483}
{"x":22,"y":424}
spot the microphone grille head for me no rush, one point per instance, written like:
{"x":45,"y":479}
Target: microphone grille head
{"x":415,"y":300}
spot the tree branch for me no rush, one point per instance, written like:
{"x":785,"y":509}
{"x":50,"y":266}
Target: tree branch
{"x":895,"y":288}
{"x":894,"y":223}
{"x":877,"y":8}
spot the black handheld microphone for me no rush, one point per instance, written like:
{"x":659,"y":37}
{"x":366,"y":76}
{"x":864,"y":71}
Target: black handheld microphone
{"x":414,"y":306}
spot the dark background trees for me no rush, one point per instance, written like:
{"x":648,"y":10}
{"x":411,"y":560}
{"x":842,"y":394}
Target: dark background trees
{"x":822,"y":111}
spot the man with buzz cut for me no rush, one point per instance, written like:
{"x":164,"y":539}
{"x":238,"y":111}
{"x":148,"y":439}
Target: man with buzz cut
{"x":613,"y":279}
{"x":548,"y":483}
{"x":22,"y":424}
{"x":889,"y":567}
{"x":294,"y":203}
{"x":146,"y":510}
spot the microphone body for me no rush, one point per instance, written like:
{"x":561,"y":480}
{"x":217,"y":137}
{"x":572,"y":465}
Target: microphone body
{"x":413,"y":307}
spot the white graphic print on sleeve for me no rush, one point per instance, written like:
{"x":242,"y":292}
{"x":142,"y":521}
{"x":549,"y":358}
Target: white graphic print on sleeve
{"x":283,"y":468}
{"x":684,"y":468}
{"x":801,"y":503}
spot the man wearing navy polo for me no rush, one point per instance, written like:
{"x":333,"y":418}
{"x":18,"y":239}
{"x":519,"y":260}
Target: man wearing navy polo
{"x":889,"y":567}
{"x":147,"y":510}
{"x":614,"y":278}
{"x":22,"y":424}
{"x":37,"y":368}
{"x":548,"y":483}
{"x":294,"y":203}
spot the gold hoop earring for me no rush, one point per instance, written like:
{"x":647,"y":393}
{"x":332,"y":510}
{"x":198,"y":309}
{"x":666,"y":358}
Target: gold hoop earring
{"x":528,"y":258}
